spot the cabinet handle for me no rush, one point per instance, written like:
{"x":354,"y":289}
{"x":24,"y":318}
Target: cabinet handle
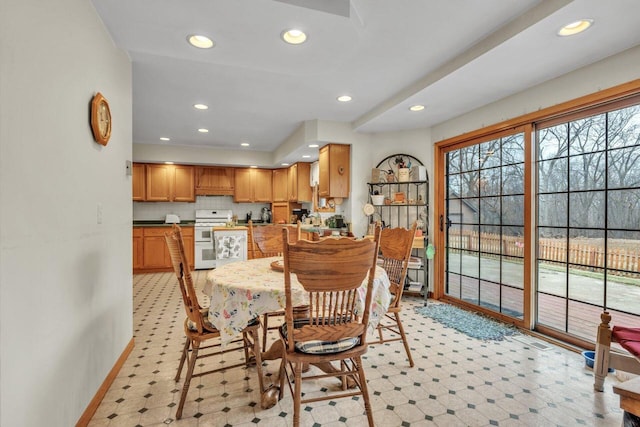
{"x":441,"y":223}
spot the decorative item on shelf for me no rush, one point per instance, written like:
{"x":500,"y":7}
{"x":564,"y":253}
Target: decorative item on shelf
{"x":398,"y":197}
{"x":403,"y":174}
{"x":391,"y":177}
{"x":376,"y":175}
{"x":377,"y":199}
{"x":418,"y":173}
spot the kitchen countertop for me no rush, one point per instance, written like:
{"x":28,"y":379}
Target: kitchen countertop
{"x":160,"y":223}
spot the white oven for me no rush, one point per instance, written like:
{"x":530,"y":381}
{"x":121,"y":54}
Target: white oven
{"x":204,"y":242}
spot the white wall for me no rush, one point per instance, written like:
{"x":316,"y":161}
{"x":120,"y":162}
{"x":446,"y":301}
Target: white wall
{"x":65,"y":280}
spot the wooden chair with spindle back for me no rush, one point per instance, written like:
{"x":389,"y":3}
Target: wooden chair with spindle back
{"x":395,"y":253}
{"x":331,"y":271}
{"x":199,"y":329}
{"x":266,"y":242}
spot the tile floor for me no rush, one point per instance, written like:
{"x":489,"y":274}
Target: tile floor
{"x":457,"y":380}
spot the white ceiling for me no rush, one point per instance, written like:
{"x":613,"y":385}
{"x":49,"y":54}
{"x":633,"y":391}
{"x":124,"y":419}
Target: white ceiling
{"x":451,"y":55}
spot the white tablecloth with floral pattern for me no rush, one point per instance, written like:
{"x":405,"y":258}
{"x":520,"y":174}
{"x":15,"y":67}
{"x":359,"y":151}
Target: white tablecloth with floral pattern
{"x":244,"y":290}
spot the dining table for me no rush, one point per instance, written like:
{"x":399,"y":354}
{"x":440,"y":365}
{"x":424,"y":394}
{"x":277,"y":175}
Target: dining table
{"x":242,"y":291}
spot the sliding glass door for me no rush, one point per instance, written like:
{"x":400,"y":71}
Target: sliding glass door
{"x":588,"y":220}
{"x":484,"y":224}
{"x":541,"y":224}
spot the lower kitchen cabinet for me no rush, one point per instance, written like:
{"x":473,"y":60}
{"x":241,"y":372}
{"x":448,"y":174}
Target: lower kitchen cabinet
{"x":150,"y":253}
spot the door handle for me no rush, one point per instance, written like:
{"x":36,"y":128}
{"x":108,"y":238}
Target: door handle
{"x":442,"y":223}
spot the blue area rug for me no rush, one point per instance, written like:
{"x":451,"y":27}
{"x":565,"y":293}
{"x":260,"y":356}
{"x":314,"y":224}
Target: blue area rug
{"x":467,"y":322}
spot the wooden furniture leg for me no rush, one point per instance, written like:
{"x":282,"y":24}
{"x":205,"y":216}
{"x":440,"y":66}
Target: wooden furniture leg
{"x":602,"y":352}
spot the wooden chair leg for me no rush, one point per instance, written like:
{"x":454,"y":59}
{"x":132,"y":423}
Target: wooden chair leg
{"x":365,"y":390}
{"x":187,"y":381}
{"x":185,"y":351}
{"x":297,"y":396}
{"x":265,"y":329}
{"x":404,"y":339}
{"x":602,"y":356}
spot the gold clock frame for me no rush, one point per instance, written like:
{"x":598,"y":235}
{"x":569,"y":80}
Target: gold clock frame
{"x":100,"y":119}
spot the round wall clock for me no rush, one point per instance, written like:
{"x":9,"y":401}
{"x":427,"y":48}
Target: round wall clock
{"x":100,"y":119}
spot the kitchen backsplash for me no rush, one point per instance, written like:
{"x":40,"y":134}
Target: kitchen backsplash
{"x":152,"y":211}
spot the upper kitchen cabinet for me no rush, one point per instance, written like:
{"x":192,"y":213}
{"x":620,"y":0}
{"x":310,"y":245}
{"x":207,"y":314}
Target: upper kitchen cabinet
{"x":170,"y":183}
{"x":138,"y":182}
{"x":252,"y":185}
{"x":214,"y":181}
{"x":299,"y":187}
{"x":334,"y":161}
{"x":279,"y":185}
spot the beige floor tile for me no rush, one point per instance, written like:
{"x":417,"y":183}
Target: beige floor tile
{"x":457,"y":380}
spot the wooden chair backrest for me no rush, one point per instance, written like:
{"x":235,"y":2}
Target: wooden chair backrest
{"x":330,"y":271}
{"x":266,"y":240}
{"x":175,"y":244}
{"x":395,"y":251}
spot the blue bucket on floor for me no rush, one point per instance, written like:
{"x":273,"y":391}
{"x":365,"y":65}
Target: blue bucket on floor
{"x":590,"y":358}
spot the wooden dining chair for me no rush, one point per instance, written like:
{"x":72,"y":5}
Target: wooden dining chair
{"x":625,"y":358}
{"x":330,"y":271}
{"x":266,"y":242}
{"x":199,"y":329}
{"x":395,"y":253}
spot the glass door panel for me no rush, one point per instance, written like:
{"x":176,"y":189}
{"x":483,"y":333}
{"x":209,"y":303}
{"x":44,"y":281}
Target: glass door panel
{"x":485,"y":224}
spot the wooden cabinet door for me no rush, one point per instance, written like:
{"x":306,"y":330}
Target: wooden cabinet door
{"x":155,"y":252}
{"x":261,"y":179}
{"x":292,"y":183}
{"x":158,"y":183}
{"x":138,"y":182}
{"x":243,"y":190}
{"x":188,"y":238}
{"x":138,"y":246}
{"x":214,"y":181}
{"x":279,"y":185}
{"x":183,"y":183}
{"x":280,"y":213}
{"x":334,"y":165}
{"x":305,"y":193}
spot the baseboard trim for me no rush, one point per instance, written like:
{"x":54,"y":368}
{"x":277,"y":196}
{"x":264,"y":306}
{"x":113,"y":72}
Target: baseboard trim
{"x":97,"y":399}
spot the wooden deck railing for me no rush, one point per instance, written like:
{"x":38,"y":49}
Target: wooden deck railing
{"x":622,"y":260}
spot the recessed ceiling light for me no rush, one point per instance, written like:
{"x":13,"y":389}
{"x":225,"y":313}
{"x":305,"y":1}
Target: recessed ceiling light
{"x":200,"y":107}
{"x":416,"y":107}
{"x":202,"y":130}
{"x":344,"y":98}
{"x":306,"y":156}
{"x":313,"y":145}
{"x":164,"y":138}
{"x":293,"y":36}
{"x":284,"y":164}
{"x":575,"y":27}
{"x":245,"y":144}
{"x":201,"y":42}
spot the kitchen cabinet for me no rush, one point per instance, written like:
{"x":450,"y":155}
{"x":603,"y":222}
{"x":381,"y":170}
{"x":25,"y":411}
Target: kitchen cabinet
{"x":170,"y":183}
{"x":138,"y":244}
{"x":334,"y":167}
{"x":252,"y":185}
{"x":150,"y":251}
{"x":280,"y":185}
{"x":281,"y":211}
{"x":298,"y":182}
{"x":214,"y":180}
{"x":138,"y":175}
